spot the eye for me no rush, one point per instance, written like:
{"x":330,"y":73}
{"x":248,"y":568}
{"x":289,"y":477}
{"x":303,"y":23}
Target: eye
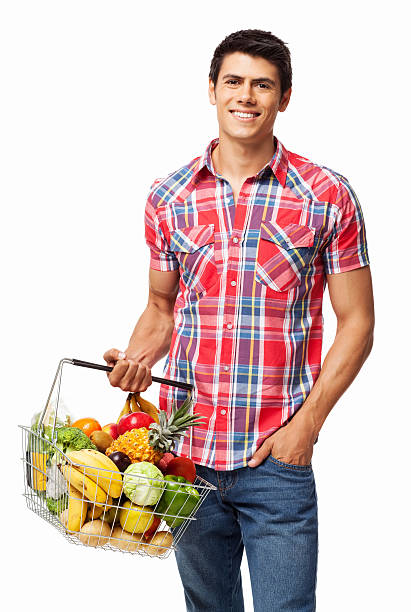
{"x":264,"y":85}
{"x":232,"y":81}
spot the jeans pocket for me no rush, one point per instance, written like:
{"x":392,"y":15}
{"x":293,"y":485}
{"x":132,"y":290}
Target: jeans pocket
{"x":291,"y":466}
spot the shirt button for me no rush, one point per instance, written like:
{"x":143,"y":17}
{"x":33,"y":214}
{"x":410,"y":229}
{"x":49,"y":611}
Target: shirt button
{"x":223,"y":411}
{"x":235,"y":239}
{"x":229,"y":325}
{"x":233,"y":283}
{"x":226,"y":368}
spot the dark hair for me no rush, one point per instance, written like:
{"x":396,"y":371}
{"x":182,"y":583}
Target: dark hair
{"x":258,"y":44}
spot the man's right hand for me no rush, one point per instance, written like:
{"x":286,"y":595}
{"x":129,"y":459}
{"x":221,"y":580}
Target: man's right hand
{"x":128,"y":374}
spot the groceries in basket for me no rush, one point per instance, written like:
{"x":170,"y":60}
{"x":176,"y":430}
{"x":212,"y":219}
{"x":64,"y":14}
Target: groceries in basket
{"x":119,"y":484}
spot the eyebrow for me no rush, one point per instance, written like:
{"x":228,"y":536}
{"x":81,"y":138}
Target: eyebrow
{"x":261,"y":80}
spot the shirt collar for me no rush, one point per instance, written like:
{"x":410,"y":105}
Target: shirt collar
{"x":278,"y":163}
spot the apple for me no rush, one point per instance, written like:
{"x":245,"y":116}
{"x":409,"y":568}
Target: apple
{"x":135,"y":420}
{"x":112,"y":429}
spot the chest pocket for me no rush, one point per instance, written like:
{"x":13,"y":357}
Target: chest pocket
{"x":282,"y":254}
{"x":194,"y":249}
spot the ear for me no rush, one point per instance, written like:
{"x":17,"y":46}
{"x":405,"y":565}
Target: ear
{"x":211,"y":92}
{"x":285,"y":100}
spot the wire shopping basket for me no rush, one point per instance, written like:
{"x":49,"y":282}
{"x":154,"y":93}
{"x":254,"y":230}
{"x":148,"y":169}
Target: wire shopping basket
{"x":86,"y":497}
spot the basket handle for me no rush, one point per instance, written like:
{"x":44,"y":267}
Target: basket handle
{"x":48,"y":410}
{"x":164,"y":381}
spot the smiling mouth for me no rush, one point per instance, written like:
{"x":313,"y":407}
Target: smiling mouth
{"x":245,"y":116}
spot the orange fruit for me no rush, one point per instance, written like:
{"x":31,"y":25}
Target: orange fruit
{"x":88,"y":425}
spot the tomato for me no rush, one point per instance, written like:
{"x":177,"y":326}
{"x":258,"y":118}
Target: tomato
{"x":182,"y":466}
{"x":88,"y":425}
{"x":153,"y":526}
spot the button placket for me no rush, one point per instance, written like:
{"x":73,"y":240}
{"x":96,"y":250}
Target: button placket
{"x":242,"y":215}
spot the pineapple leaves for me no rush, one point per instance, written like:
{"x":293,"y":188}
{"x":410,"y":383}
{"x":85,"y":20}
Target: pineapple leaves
{"x":163,"y":434}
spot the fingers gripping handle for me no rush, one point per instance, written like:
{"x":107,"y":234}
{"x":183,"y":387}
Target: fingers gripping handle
{"x":164,"y":381}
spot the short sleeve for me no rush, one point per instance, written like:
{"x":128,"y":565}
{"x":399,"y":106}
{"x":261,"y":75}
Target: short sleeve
{"x":346,"y":247}
{"x":161,"y":257}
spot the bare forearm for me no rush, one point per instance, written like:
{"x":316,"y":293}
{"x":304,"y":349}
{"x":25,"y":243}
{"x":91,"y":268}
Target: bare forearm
{"x":351,"y":347}
{"x":151,"y":338}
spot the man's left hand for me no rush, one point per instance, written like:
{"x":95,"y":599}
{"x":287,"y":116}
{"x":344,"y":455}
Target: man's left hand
{"x":292,"y":443}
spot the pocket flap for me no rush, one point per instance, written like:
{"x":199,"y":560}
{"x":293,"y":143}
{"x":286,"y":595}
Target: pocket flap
{"x":188,"y":239}
{"x":290,"y":236}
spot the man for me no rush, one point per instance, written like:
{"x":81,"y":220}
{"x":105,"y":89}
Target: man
{"x":243,"y":241}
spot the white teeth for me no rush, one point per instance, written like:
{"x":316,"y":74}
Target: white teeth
{"x":245,"y":115}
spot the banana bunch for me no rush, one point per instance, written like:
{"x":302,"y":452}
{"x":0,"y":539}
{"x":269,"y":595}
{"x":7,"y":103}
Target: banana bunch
{"x":73,"y":518}
{"x":94,"y":475}
{"x":80,"y":511}
{"x":136,"y":403}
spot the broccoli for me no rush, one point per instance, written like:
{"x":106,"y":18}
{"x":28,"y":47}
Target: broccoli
{"x":44,"y":432}
{"x":72,"y":439}
{"x":56,"y":506}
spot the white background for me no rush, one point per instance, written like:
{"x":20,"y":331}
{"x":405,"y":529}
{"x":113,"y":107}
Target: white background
{"x":98,"y":99}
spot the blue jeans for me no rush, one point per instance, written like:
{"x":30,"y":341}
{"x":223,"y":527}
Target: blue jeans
{"x":271,"y":510}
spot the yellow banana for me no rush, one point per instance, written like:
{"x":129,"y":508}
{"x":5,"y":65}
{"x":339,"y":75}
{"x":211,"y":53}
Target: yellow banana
{"x":126,"y":409}
{"x":134,"y":405}
{"x":39,"y":461}
{"x":101,"y":469}
{"x":95,"y":512}
{"x":146,"y":406}
{"x":84,"y":485}
{"x":77,"y":510}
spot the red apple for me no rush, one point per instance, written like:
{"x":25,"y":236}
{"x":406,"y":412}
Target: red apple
{"x":112,"y":429}
{"x":135,"y":420}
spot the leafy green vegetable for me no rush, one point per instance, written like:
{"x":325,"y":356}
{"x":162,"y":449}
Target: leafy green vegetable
{"x":56,"y":506}
{"x":42,"y":431}
{"x":71,"y":439}
{"x":142,"y":483}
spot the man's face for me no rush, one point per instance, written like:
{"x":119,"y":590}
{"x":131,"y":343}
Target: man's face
{"x":250,"y":85}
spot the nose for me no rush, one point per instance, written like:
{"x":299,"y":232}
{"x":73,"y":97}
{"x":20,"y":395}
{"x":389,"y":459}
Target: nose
{"x":246,"y":93}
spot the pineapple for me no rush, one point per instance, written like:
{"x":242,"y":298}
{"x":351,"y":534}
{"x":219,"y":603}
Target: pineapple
{"x":150,"y":444}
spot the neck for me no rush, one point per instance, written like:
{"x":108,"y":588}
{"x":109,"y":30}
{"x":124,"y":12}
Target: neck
{"x":240,"y":160}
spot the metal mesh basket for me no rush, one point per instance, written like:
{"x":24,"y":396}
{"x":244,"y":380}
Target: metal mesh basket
{"x":85,"y":500}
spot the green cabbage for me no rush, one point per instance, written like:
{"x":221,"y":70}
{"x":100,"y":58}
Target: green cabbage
{"x":143,"y":483}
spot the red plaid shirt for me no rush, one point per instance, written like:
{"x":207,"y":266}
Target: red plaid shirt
{"x":248,"y":315}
